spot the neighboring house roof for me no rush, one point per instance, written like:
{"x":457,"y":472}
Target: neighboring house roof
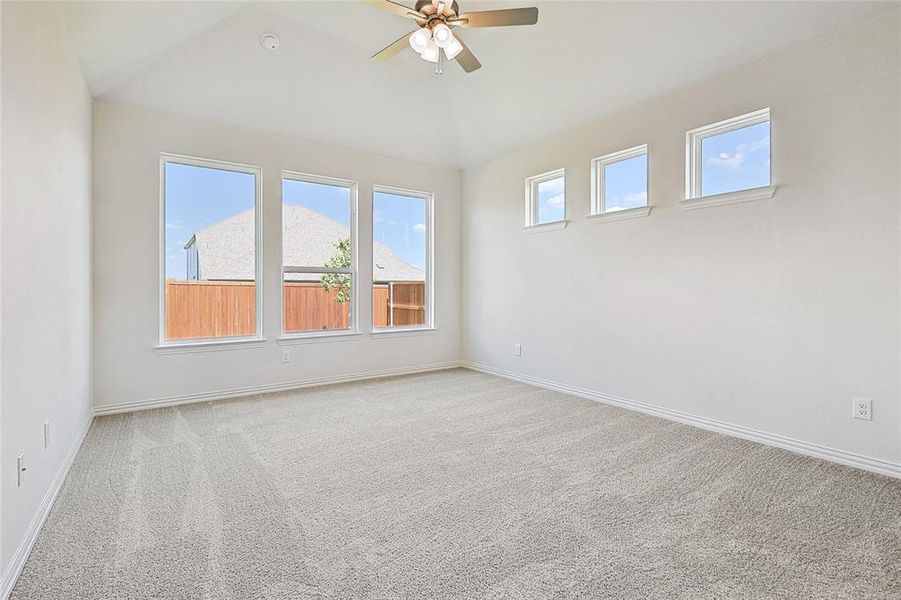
{"x":225,"y":250}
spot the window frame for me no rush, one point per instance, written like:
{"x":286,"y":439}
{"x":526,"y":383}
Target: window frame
{"x":694,"y":163}
{"x":429,"y":199}
{"x":353,"y":271}
{"x":598,"y":188}
{"x":212,"y":342}
{"x":531,"y":201}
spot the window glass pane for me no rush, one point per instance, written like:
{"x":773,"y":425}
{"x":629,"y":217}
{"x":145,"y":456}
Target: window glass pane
{"x":210,"y":245}
{"x":315,"y":221}
{"x":399,"y":255}
{"x":317,"y":301}
{"x":626,"y":184}
{"x":316,"y":232}
{"x":738,"y":160}
{"x":551,"y":195}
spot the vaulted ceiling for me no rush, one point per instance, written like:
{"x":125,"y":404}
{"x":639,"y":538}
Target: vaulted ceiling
{"x":582,"y":60}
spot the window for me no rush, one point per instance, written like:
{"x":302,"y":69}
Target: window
{"x":730,"y":156}
{"x":210,"y":250}
{"x":546,"y":199}
{"x":401,"y":259}
{"x":619,"y":183}
{"x":318,"y":254}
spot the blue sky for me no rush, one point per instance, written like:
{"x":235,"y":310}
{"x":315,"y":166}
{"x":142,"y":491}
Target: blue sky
{"x":197,"y":197}
{"x":737,"y":160}
{"x":399,"y":222}
{"x":331,"y":201}
{"x":626,"y":183}
{"x":551,"y":200}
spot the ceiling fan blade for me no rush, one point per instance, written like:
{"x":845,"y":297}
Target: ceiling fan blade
{"x":466,"y":58}
{"x":396,"y":8}
{"x":498,"y":18}
{"x":393,"y":49}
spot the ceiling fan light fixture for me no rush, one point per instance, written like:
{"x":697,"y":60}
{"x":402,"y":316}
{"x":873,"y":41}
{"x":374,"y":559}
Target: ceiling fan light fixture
{"x":453,"y":49}
{"x":436,"y":20}
{"x":442,"y":35}
{"x":431,"y":52}
{"x":420,"y":39}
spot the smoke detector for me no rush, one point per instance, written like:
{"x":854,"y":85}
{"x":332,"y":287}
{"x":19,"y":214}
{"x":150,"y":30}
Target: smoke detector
{"x":269,"y":41}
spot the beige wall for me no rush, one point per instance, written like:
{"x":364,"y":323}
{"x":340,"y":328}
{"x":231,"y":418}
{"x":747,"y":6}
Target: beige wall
{"x":769,"y":315}
{"x":127,"y":144}
{"x":45,"y":275}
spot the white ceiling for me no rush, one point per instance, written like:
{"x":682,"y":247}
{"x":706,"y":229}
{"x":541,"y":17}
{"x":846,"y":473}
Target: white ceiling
{"x":582,"y":60}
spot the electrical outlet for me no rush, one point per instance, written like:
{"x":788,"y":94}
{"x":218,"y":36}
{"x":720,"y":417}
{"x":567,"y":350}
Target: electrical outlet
{"x":862,"y":409}
{"x":46,"y":434}
{"x":20,"y":470}
{"x":517,"y":350}
{"x":286,"y":357}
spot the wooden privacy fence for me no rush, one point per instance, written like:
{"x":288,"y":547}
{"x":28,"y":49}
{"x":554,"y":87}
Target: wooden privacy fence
{"x":200,"y":309}
{"x":398,"y":303}
{"x":308,"y":307}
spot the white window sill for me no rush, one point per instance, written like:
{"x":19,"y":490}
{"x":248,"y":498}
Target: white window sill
{"x":620,"y":215}
{"x":209,"y":346}
{"x":391,"y":332}
{"x":312,"y":338}
{"x":761,"y":193}
{"x":545,"y":227}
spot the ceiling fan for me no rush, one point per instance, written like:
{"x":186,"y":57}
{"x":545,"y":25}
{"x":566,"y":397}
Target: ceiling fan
{"x":434,"y":41}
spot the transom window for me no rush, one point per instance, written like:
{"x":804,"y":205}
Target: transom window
{"x":210,"y":250}
{"x":401,"y":259}
{"x":546,"y":198}
{"x":729,"y":156}
{"x":620,"y":181}
{"x":319,"y":262}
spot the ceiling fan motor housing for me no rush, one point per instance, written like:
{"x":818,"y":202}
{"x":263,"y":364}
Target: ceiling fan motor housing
{"x":426,"y":7}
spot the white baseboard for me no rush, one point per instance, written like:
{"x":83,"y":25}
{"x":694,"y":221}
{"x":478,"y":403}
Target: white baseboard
{"x":8,"y":581}
{"x":271,"y":387}
{"x":850,"y":459}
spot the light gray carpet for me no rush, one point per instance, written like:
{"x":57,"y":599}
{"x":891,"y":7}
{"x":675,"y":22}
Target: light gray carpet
{"x":453,"y":484}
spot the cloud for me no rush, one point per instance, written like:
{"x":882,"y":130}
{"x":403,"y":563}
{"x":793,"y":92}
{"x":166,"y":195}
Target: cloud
{"x":761,"y":143}
{"x":420,"y":227}
{"x":735,"y":159}
{"x":556,"y":201}
{"x":553,"y":187}
{"x":174,"y":226}
{"x":628,"y":201}
{"x":726,"y":160}
{"x":637,"y":198}
{"x":377,"y":217}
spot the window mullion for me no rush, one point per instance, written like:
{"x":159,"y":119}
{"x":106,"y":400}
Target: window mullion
{"x":317,"y":270}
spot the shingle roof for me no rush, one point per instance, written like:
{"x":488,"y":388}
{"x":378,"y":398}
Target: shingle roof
{"x":225,"y":250}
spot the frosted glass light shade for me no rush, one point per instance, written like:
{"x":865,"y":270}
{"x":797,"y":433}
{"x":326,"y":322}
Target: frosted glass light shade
{"x":442,"y":35}
{"x":431,"y":52}
{"x":453,"y":49}
{"x":420,"y":39}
